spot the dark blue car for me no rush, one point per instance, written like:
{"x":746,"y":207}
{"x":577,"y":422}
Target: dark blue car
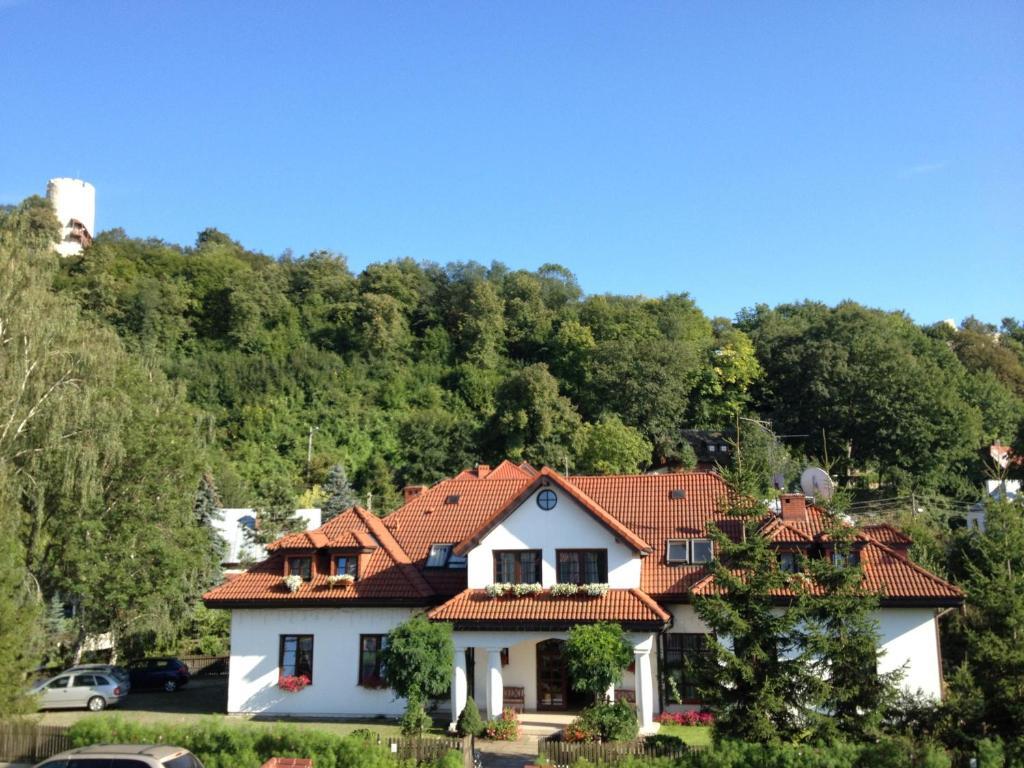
{"x":164,"y":672}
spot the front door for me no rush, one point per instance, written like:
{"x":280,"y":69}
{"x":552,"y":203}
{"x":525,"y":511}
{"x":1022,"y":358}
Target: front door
{"x":552,"y":677}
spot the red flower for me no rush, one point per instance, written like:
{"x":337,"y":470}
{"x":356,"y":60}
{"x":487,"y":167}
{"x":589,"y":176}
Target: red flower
{"x":292,"y":683}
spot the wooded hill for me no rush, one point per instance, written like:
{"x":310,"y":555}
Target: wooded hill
{"x":412,"y":371}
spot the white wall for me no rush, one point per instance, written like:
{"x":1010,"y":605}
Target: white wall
{"x":255,"y":644}
{"x":908,"y":636}
{"x":72,"y":199}
{"x":567,"y":526}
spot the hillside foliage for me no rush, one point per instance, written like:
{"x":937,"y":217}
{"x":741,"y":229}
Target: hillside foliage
{"x":142,"y":381}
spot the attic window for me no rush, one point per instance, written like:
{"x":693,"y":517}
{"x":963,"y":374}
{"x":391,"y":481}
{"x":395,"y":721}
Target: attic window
{"x":439,"y":554}
{"x":693,"y":551}
{"x":677,"y":551}
{"x":456,"y":561}
{"x":677,"y":493}
{"x":453,"y":499}
{"x":844,"y":560}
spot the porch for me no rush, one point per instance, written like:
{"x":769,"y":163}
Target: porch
{"x":527,"y":672}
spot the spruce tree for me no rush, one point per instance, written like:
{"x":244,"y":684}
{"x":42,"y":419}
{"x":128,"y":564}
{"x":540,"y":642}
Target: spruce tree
{"x":991,"y":627}
{"x":755,"y":675}
{"x":840,"y":633}
{"x":340,"y":495}
{"x":206,"y":508}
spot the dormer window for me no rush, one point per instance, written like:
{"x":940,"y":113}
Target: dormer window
{"x":845,"y":559}
{"x":439,"y":555}
{"x":457,"y":562}
{"x":788,"y":562}
{"x":303,"y":566}
{"x":694,"y":551}
{"x":346,"y":565}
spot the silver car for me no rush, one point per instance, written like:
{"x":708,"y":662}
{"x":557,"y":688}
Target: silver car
{"x":123,"y":756}
{"x":107,"y":670}
{"x":79,"y":689}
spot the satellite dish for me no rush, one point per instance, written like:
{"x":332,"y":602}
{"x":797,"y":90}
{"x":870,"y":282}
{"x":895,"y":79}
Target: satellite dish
{"x":814,"y":481}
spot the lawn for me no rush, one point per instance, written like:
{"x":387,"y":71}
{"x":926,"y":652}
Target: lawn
{"x":694,"y":735}
{"x":205,"y":700}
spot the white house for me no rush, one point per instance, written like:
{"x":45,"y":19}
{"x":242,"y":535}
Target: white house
{"x":641,"y":540}
{"x":232,"y":524}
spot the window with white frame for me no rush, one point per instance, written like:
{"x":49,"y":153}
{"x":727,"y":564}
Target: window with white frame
{"x":695,"y":551}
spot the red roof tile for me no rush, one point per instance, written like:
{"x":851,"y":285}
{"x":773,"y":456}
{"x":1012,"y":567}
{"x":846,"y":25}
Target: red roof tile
{"x":550,"y":476}
{"x":641,"y":509}
{"x":627,"y":606}
{"x":886,"y":573}
{"x":385,"y":573}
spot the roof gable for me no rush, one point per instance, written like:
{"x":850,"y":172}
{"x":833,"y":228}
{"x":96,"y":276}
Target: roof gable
{"x":547,"y":477}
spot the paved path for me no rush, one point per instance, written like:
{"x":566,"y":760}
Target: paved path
{"x":507,"y":754}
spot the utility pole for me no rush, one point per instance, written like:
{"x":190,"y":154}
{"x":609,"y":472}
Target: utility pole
{"x":309,"y":448}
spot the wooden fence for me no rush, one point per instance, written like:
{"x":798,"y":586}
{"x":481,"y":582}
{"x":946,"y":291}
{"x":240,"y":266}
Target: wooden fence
{"x":426,"y":750}
{"x":30,"y":743}
{"x":560,"y":753}
{"x":203,"y":666}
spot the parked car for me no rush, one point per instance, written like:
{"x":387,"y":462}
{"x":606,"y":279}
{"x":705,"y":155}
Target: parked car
{"x":121,"y":673}
{"x":79,"y":689}
{"x":123,"y":756}
{"x":164,"y":672}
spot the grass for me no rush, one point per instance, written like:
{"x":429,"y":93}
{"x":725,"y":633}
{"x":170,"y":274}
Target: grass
{"x":206,"y":700}
{"x":694,"y":735}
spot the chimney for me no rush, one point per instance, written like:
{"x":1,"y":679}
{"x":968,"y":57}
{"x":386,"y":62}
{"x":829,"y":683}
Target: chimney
{"x":410,"y":492}
{"x":483,"y":470}
{"x":794,"y":507}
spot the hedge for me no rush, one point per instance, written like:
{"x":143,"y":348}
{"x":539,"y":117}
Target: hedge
{"x":232,"y":746}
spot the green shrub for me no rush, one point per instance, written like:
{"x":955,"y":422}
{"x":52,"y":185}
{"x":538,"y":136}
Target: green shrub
{"x":219,"y":745}
{"x":415,"y":721}
{"x":613,"y":722}
{"x":470,"y":723}
{"x":991,"y":753}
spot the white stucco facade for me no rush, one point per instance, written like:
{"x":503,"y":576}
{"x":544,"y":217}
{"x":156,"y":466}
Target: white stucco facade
{"x":335,"y":690}
{"x":566,"y":526}
{"x":910,"y":642}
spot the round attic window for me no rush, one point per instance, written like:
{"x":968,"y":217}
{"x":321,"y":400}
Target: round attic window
{"x":546,"y":500}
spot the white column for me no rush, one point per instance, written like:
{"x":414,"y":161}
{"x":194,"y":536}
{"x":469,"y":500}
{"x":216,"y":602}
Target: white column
{"x":644,"y":682}
{"x":460,"y":687}
{"x":495,"y":687}
{"x":610,"y":693}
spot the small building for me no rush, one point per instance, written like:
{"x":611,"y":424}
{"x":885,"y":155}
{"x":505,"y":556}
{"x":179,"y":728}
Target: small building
{"x":74,"y":202}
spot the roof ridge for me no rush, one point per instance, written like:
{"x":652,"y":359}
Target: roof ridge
{"x":650,"y":602}
{"x":602,"y":515}
{"x":913,"y":566}
{"x":394,"y":550}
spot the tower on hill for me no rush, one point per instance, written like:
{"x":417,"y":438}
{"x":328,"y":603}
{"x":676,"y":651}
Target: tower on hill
{"x":74,"y":201}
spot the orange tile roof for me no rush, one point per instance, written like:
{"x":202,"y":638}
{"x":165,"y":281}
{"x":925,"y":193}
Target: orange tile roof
{"x":630,"y":607}
{"x":641,"y":509}
{"x":548,"y":476}
{"x":386,"y":574}
{"x":886,"y":573}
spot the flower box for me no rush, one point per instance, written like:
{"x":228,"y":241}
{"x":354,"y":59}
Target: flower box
{"x":293,"y":582}
{"x":341,"y":580}
{"x":292,"y":683}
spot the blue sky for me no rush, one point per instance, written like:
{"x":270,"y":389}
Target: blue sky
{"x":744,"y":152}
